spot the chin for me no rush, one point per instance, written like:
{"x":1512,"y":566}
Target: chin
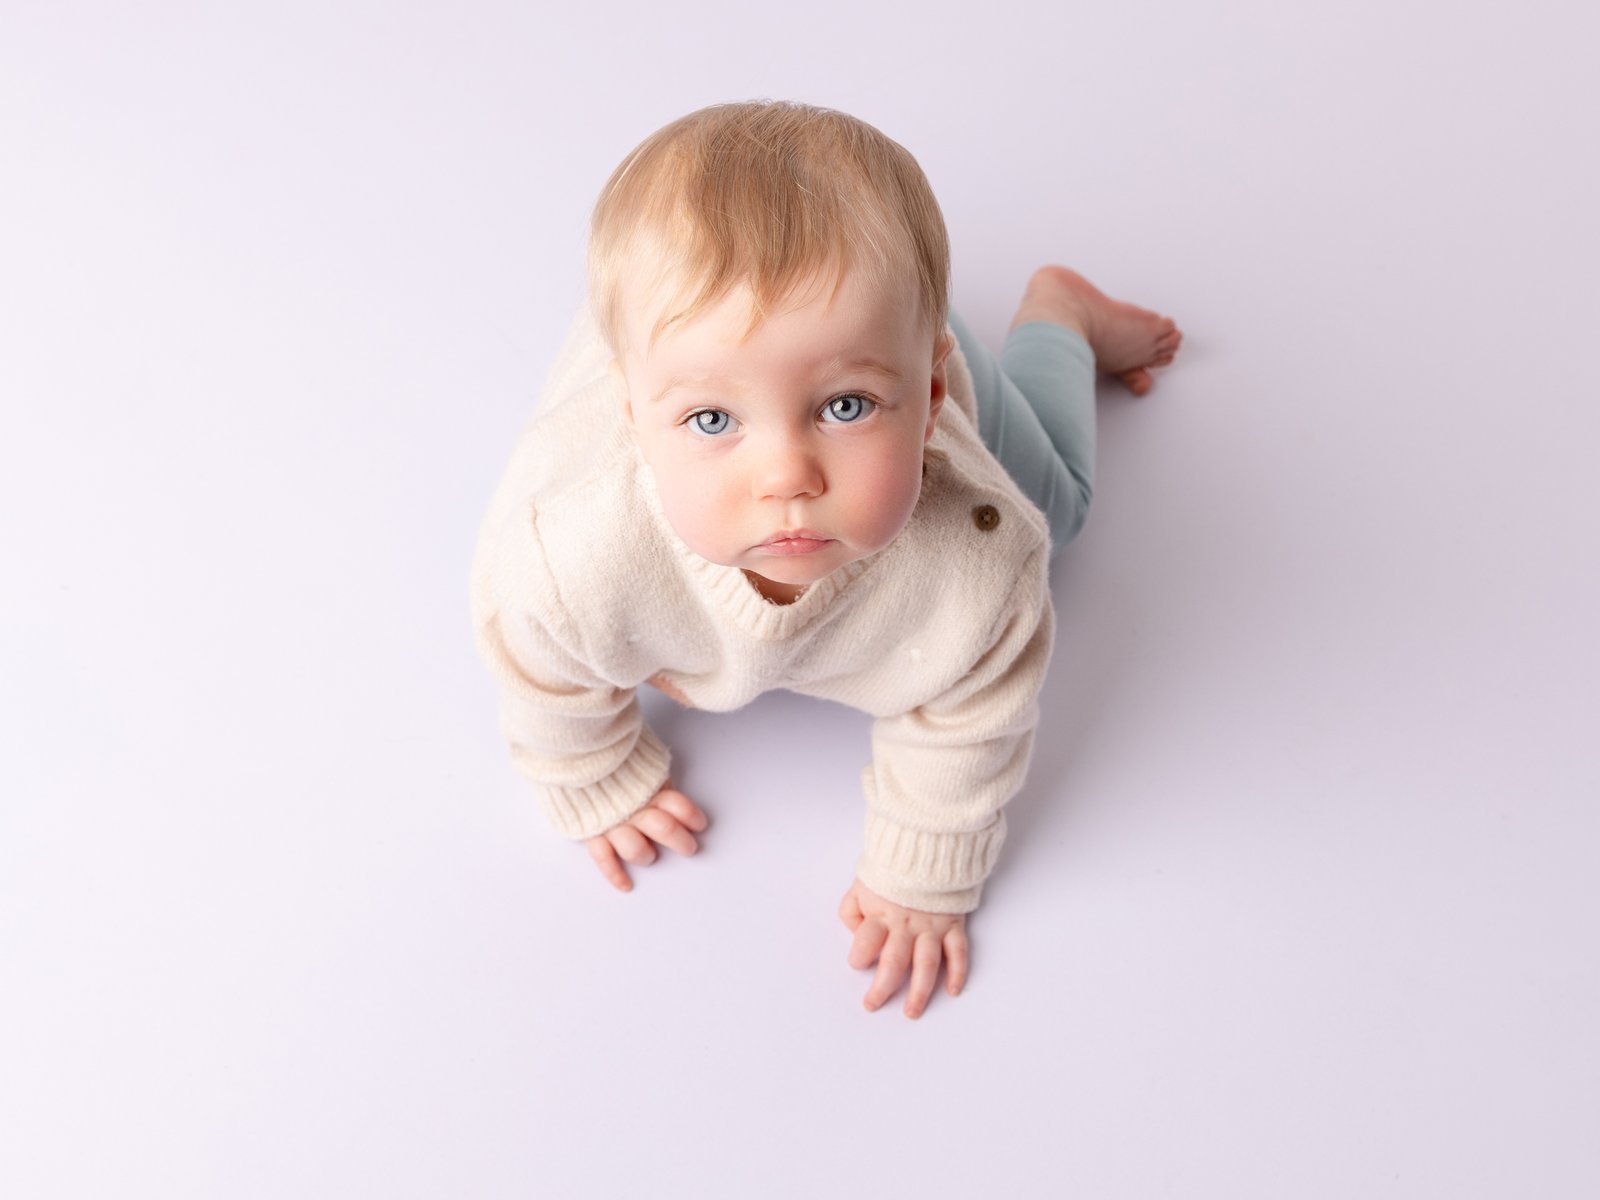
{"x":791,"y":576}
{"x":781,"y":570}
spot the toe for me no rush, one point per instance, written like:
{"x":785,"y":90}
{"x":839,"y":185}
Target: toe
{"x":1138,"y":380}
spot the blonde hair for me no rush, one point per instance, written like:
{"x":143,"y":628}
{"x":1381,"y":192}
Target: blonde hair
{"x":770,"y":194}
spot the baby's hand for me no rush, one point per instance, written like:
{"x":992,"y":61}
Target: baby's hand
{"x":668,"y":818}
{"x":900,"y":937}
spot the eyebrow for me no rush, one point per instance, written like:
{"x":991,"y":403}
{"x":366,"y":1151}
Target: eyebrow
{"x":840,"y":366}
{"x":836,"y":366}
{"x":679,"y":381}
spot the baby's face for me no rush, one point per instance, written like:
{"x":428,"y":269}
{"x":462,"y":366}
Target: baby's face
{"x":798,"y":449}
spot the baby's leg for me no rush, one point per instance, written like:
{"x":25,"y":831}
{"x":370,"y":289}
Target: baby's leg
{"x":1036,"y":415}
{"x":1036,"y":406}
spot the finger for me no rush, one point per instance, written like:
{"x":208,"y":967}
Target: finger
{"x":664,"y":829}
{"x":893,"y":960}
{"x":955,"y":952}
{"x":850,"y":910}
{"x":632,"y":844}
{"x":869,"y":938}
{"x":925,"y":956}
{"x":605,"y":857}
{"x":671,"y":800}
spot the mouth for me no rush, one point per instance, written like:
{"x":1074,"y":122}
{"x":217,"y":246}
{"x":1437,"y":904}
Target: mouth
{"x":795,"y":541}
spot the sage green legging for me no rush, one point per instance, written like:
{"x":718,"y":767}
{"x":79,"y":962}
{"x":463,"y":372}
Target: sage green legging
{"x":1036,"y":415}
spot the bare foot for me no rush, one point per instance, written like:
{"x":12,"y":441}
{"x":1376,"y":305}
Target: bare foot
{"x":1127,"y":341}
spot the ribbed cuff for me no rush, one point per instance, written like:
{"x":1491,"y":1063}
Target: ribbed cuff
{"x":934,"y":872}
{"x":583,"y":812}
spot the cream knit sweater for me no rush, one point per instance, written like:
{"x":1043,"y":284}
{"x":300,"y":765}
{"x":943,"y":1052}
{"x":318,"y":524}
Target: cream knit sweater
{"x":581,"y":592}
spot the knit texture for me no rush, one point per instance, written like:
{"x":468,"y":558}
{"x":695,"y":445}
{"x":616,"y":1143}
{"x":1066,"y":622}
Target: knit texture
{"x":581,"y":592}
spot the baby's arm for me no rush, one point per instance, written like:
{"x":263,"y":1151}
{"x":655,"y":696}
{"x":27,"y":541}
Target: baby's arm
{"x":601,"y":773}
{"x":941,"y":775}
{"x":898,"y":938}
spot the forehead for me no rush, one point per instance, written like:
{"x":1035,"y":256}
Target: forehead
{"x":830,"y":320}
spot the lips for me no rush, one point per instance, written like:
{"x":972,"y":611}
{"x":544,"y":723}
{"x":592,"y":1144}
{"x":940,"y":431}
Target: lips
{"x":795,"y":541}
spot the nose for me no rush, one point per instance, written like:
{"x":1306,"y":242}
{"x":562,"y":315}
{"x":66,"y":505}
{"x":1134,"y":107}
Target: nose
{"x":788,"y":467}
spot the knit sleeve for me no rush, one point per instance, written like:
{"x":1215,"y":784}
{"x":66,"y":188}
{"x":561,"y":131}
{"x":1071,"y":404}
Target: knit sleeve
{"x":581,"y":740}
{"x":942,"y":773}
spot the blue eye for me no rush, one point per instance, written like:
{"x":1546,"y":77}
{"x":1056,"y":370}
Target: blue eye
{"x":845,"y":410}
{"x":712,"y":422}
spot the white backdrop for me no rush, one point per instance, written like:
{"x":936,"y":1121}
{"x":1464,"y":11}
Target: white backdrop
{"x":1300,"y":899}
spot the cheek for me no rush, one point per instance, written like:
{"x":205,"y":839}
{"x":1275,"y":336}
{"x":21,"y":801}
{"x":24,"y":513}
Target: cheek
{"x":691,"y":501}
{"x":888,"y":493}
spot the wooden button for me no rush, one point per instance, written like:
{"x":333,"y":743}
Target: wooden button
{"x":986,"y":517}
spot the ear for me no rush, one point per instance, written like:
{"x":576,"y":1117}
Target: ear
{"x":614,"y":369}
{"x":940,"y":387}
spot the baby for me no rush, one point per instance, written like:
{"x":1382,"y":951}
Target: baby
{"x":769,"y":456}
